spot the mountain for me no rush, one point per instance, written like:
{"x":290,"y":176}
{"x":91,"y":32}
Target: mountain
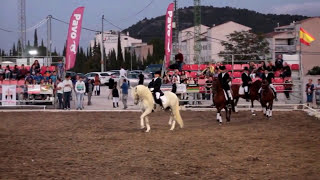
{"x":148,"y":29}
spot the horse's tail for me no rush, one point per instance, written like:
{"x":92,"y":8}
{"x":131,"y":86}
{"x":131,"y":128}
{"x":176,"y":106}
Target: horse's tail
{"x":176,"y":113}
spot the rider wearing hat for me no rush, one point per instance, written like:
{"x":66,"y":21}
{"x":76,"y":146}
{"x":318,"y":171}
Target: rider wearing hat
{"x":246,"y":81}
{"x":156,"y":88}
{"x":269,"y":76}
{"x":225,"y":81}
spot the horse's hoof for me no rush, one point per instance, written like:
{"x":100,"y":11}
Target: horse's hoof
{"x":148,"y":130}
{"x":220,"y":123}
{"x":254,"y":114}
{"x":142,"y":127}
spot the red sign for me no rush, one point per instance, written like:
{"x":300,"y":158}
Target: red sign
{"x":168,"y":36}
{"x":73,"y":37}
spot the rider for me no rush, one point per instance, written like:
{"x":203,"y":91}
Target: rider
{"x":156,"y":88}
{"x":246,"y":81}
{"x":269,"y":76}
{"x":225,"y":81}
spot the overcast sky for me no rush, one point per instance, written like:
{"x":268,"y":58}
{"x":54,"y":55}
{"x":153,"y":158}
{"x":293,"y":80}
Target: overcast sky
{"x":122,"y":13}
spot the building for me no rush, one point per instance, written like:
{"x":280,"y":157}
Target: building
{"x":211,"y":38}
{"x":134,"y":45}
{"x":285,"y":40}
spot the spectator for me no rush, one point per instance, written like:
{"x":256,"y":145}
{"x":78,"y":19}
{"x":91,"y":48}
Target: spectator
{"x":166,"y":79}
{"x":271,"y":67}
{"x":252,"y":66}
{"x":89,"y":90}
{"x":15,"y":72}
{"x":38,"y":78}
{"x":216,"y":72}
{"x":23,"y":72}
{"x":25,"y":90}
{"x":115,"y":96}
{"x":183,"y":77}
{"x":1,"y":73}
{"x":36,"y":66}
{"x":174,"y":84}
{"x":97,"y":85}
{"x":110,"y":84}
{"x":208,"y":87}
{"x":124,"y":88}
{"x":80,"y":89}
{"x":287,"y":88}
{"x":7,"y":72}
{"x":123,"y":75}
{"x":59,"y":91}
{"x":318,"y":93}
{"x":60,"y":68}
{"x":191,"y":80}
{"x":176,"y":75}
{"x":53,"y":77}
{"x":286,"y":71}
{"x":33,"y":70}
{"x":67,"y":89}
{"x":309,"y":91}
{"x":209,"y":71}
{"x":141,"y":78}
{"x":279,"y":62}
{"x":179,"y":60}
{"x":29,"y":78}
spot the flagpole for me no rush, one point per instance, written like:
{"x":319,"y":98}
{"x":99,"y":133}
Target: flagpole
{"x":300,"y":65}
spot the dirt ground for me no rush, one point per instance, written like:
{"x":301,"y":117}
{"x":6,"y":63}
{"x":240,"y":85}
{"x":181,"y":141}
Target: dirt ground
{"x":82,"y":145}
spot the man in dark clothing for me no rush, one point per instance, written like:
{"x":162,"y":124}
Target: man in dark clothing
{"x":246,"y":81}
{"x":141,"y":79}
{"x":179,"y":60}
{"x":156,"y":88}
{"x":225,"y":81}
{"x":269,"y":76}
{"x":110,"y":85}
{"x":279,"y":62}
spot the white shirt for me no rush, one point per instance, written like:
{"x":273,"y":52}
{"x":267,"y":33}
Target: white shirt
{"x":60,"y":85}
{"x":123,"y":73}
{"x":223,"y":74}
{"x":80,"y":87}
{"x":67,"y":88}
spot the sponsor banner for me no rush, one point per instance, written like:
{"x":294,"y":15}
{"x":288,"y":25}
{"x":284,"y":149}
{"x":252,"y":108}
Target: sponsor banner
{"x":168,"y":35}
{"x":34,"y":89}
{"x":73,"y":37}
{"x":181,"y":88}
{"x":9,"y":95}
{"x":193,"y":88}
{"x":47,"y":89}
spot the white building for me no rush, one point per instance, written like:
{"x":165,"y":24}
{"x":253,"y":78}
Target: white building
{"x":210,"y":41}
{"x":110,"y":41}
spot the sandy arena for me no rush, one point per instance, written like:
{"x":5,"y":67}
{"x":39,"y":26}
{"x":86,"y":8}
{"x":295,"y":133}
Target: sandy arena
{"x":96,"y":145}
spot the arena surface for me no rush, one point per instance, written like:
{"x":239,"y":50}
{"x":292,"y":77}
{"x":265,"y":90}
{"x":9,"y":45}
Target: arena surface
{"x":97,"y":145}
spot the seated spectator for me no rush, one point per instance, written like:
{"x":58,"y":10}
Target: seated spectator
{"x":23,"y":72}
{"x":36,"y":66}
{"x":279,"y":62}
{"x":287,"y":87}
{"x":166,"y":79}
{"x":263,"y":66}
{"x":33,"y":70}
{"x":253,"y":74}
{"x":15,"y":73}
{"x":1,"y":73}
{"x":286,"y":71}
{"x":38,"y":77}
{"x":183,"y":77}
{"x":174,"y":84}
{"x":53,"y":77}
{"x":271,"y":67}
{"x":252,"y":66}
{"x":7,"y":72}
{"x":209,"y":70}
{"x":25,"y":90}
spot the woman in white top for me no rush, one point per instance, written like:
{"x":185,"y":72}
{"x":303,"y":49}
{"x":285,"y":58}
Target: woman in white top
{"x":80,"y":89}
{"x":67,"y":90}
{"x":59,"y":90}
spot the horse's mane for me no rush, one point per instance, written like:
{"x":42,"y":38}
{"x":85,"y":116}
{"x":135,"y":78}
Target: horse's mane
{"x":256,"y":84}
{"x":144,"y":93}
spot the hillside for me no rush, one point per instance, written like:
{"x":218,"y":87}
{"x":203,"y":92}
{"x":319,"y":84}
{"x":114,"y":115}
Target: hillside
{"x":148,"y":29}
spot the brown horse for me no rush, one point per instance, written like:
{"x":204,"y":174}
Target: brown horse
{"x":267,"y":97}
{"x":220,"y":101}
{"x":254,"y":94}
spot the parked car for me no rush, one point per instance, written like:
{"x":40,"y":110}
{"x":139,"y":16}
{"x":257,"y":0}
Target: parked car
{"x":103,"y":76}
{"x":152,"y":68}
{"x":71,"y":74}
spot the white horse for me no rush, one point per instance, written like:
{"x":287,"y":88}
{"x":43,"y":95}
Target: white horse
{"x":143,"y":95}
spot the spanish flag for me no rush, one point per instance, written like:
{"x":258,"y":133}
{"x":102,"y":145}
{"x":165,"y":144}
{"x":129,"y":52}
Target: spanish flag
{"x":305,"y":37}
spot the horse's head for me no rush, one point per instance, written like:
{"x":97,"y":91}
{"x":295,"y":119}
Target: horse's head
{"x":265,"y":84}
{"x":135,"y":95}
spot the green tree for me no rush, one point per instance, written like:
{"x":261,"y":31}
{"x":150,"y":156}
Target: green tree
{"x":120,"y":61}
{"x":35,"y":38}
{"x":13,"y":50}
{"x":245,"y":43}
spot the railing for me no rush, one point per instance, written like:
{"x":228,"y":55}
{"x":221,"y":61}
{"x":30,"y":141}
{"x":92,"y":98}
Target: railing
{"x":285,"y":48}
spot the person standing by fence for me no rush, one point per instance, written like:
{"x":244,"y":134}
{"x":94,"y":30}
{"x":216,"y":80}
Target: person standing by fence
{"x":115,"y":96}
{"x":124,"y":88}
{"x":141,"y":78}
{"x":97,"y":85}
{"x":67,"y":90}
{"x":110,"y":85}
{"x":309,"y":91}
{"x":80,"y":89}
{"x":89,"y":90}
{"x":59,"y":91}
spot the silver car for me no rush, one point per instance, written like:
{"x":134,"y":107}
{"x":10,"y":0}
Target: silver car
{"x":103,"y":76}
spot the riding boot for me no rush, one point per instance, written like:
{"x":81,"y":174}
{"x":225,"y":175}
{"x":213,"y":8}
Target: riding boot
{"x":231,"y":102}
{"x":247,"y":96}
{"x":275,"y":95}
{"x":114,"y":105}
{"x":117,"y":104}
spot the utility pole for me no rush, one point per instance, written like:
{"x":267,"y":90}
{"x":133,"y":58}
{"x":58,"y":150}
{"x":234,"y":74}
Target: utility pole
{"x":22,"y":25}
{"x":176,"y":28}
{"x":102,"y":47}
{"x":197,"y":31}
{"x":49,"y":38}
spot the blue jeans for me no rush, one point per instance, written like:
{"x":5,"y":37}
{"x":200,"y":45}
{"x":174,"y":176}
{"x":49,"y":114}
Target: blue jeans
{"x":309,"y":97}
{"x":79,"y":100}
{"x":66,"y":98}
{"x":60,"y":100}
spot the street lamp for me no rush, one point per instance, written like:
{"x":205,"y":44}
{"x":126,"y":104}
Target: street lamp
{"x":33,"y":52}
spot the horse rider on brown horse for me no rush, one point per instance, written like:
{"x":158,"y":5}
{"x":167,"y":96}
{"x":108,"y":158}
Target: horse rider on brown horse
{"x":268,"y":76}
{"x":246,"y":82}
{"x":225,"y":81}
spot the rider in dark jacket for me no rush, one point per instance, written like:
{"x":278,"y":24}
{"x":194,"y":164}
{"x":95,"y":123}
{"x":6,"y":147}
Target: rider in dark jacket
{"x":246,"y":81}
{"x":269,"y":76}
{"x":155,"y":86}
{"x":225,"y":81}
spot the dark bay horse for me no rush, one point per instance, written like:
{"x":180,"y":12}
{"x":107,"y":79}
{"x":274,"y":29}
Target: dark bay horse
{"x":267,"y":97}
{"x":220,"y":101}
{"x":253,"y":94}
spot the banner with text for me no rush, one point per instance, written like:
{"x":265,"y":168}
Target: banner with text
{"x":73,"y":37}
{"x":9,"y":95}
{"x":168,"y":35}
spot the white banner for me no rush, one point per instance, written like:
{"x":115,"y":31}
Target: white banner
{"x":33,"y":89}
{"x":181,"y":88}
{"x":22,"y":61}
{"x":9,"y":95}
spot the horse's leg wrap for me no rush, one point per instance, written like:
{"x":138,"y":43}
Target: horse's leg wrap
{"x":173,"y":124}
{"x":147,"y":124}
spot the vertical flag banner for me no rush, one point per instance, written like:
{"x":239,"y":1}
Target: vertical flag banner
{"x":73,"y":37}
{"x":305,"y":37}
{"x":168,"y":35}
{"x":9,"y":95}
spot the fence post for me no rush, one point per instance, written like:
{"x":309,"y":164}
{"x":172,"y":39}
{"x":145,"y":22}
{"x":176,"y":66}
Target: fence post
{"x":232,"y":63}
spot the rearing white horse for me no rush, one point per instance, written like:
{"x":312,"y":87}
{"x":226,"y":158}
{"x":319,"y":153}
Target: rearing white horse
{"x":143,"y":95}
